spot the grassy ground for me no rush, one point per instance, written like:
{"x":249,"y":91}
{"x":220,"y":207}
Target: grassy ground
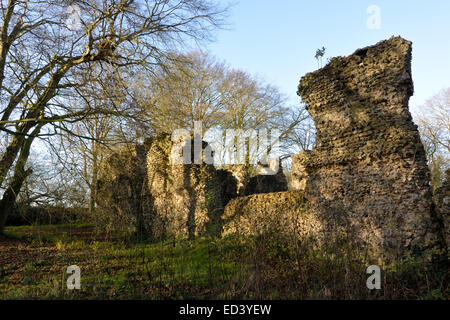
{"x":33,"y":262}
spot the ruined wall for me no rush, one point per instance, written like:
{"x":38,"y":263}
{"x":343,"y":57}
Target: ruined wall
{"x":367,"y":179}
{"x":283,"y":214}
{"x":240,"y":173}
{"x":369,"y":162}
{"x":121,"y":191}
{"x":266,"y":183}
{"x":187,"y":198}
{"x":443,"y":204}
{"x":142,"y":190}
{"x":247,"y":185}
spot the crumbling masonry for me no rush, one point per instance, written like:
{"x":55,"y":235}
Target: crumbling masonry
{"x":367,"y":176}
{"x":367,"y":179}
{"x":443,"y":204}
{"x":187,"y":198}
{"x":141,"y":188}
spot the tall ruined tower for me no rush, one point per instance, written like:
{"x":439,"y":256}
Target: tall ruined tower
{"x":369,"y":169}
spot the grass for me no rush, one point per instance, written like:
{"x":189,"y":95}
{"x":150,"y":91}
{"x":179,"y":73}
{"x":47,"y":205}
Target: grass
{"x":33,"y":263}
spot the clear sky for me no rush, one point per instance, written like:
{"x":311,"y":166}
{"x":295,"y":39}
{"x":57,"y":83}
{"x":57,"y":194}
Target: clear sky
{"x":278,"y":39}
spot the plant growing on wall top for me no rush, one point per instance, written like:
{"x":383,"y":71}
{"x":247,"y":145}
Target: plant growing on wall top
{"x":319,"y":55}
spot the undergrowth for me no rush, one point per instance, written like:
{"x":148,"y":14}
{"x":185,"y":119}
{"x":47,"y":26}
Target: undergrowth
{"x":33,"y":262}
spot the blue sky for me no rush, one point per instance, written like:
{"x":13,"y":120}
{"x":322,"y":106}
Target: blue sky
{"x":277,"y":40}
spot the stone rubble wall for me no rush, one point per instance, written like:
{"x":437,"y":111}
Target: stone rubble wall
{"x":142,"y":189}
{"x":367,"y":178}
{"x":241,"y":174}
{"x":266,"y":183}
{"x":283,"y":214}
{"x":443,"y":205}
{"x":121,"y":190}
{"x":369,"y":161}
{"x":187,"y":197}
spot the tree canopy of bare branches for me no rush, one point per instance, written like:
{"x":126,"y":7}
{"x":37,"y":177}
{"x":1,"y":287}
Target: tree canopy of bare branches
{"x":434,"y":126}
{"x":198,"y":87}
{"x":50,"y":50}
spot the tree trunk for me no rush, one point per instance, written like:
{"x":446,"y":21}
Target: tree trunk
{"x":10,"y":155}
{"x":2,"y":221}
{"x":94,"y":179}
{"x":7,"y":203}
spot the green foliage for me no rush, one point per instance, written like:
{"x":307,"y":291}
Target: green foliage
{"x":261,"y":267}
{"x":319,"y":55}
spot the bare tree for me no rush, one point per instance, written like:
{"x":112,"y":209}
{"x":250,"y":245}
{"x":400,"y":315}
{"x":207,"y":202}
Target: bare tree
{"x":301,"y":131}
{"x":186,"y":89}
{"x":434,"y":127}
{"x":198,"y":87}
{"x":46,"y":46}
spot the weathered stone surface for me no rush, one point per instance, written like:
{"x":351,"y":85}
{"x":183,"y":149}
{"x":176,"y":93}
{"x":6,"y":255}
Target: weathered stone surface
{"x":369,"y":162}
{"x":299,"y":175}
{"x":143,"y":190}
{"x":241,"y":175}
{"x":443,"y":204}
{"x":187,"y":198}
{"x":367,"y":178}
{"x":122,"y":190}
{"x":283,"y":214}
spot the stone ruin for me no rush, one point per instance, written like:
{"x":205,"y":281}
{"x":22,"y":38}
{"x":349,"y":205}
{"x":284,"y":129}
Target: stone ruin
{"x":266,"y":184}
{"x":187,"y":198}
{"x":368,"y":176}
{"x":121,"y":190}
{"x":142,"y":188}
{"x":443,"y":204}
